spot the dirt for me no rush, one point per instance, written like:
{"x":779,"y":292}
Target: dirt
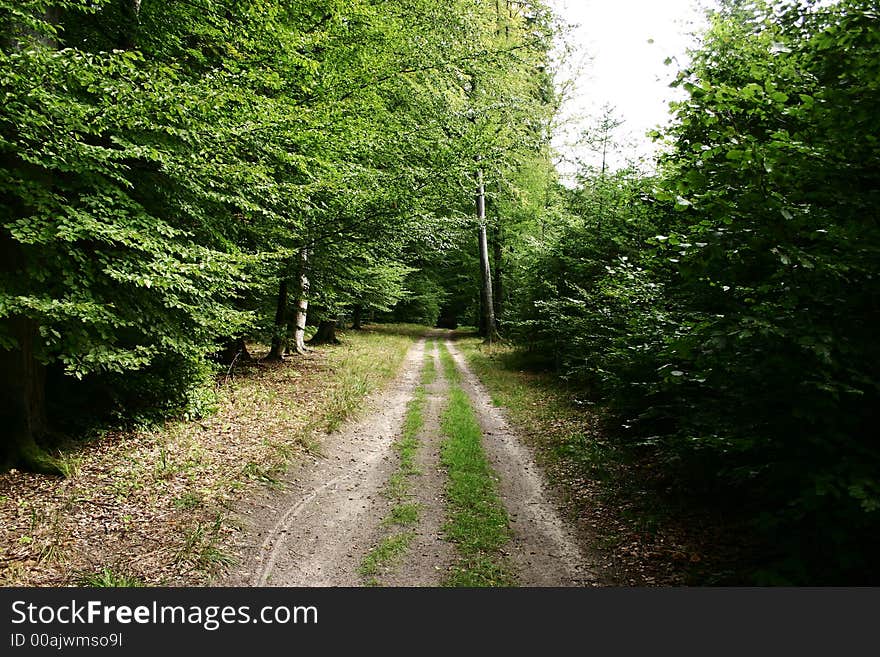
{"x":317,"y":531}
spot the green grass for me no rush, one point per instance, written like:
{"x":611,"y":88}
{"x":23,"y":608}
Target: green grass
{"x":107,"y":577}
{"x":200,"y":547}
{"x":355,"y":376}
{"x":404,"y":513}
{"x":189,"y":500}
{"x":429,"y":372}
{"x":408,"y":443}
{"x":477,"y":523}
{"x":450,"y":371}
{"x":541,"y":403}
{"x":390,"y":549}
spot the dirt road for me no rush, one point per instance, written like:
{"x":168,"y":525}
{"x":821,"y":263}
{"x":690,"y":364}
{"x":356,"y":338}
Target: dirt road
{"x":317,"y":531}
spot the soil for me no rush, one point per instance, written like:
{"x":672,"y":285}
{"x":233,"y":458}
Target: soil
{"x":317,"y":531}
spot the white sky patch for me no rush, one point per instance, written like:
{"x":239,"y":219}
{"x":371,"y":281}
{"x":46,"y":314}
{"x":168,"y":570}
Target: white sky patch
{"x":621,"y":46}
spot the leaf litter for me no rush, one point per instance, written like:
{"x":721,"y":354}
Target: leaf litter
{"x":153,"y":506}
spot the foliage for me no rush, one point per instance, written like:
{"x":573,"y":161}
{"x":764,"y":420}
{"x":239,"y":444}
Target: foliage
{"x":164,"y":165}
{"x":725,"y":310}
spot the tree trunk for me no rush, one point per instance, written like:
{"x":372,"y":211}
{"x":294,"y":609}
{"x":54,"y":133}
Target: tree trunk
{"x":23,"y":401}
{"x":302,"y":302}
{"x":356,"y":317}
{"x":326,"y":333}
{"x":131,"y":12}
{"x":487,"y":317}
{"x":22,"y":375}
{"x":279,"y":337}
{"x":235,"y":350}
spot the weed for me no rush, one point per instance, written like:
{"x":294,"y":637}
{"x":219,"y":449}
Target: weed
{"x":106,"y":577}
{"x":267,"y":474}
{"x":188,"y":500}
{"x":69,"y":463}
{"x":200,"y":547}
{"x":212,"y":556}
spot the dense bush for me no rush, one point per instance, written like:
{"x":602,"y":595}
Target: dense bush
{"x":726,"y":313}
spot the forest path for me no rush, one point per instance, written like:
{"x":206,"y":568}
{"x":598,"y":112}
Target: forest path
{"x":320,"y":529}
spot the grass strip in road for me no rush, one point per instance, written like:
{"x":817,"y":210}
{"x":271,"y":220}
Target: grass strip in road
{"x":477,"y":523}
{"x":389,"y":550}
{"x":404,"y":513}
{"x":450,"y":371}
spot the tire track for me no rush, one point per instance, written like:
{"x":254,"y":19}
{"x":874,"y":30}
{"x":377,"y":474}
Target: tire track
{"x":317,"y":534}
{"x":543,"y":549}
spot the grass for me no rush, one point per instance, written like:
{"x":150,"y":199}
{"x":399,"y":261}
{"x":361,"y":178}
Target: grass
{"x":200,"y":547}
{"x":569,"y":433}
{"x":355,"y":376}
{"x":429,"y":373}
{"x":477,"y":522}
{"x":107,"y":577}
{"x":189,"y":500}
{"x":450,"y":371}
{"x":390,"y":549}
{"x":404,"y":513}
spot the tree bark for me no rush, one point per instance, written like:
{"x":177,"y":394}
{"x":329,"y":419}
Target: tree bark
{"x":302,"y":303}
{"x":22,"y":376}
{"x":357,"y":317}
{"x":487,"y":318}
{"x":326,"y":333}
{"x":235,"y":350}
{"x":279,"y":337}
{"x":131,"y":11}
{"x":23,"y":401}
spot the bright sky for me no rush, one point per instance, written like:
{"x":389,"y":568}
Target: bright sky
{"x":621,"y":46}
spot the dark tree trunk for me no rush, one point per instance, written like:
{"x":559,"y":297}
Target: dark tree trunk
{"x":22,"y":375}
{"x":279,"y":334}
{"x":326,"y":333}
{"x":356,"y":317}
{"x":23,"y":401}
{"x":290,"y":340}
{"x":234,"y":351}
{"x":128,"y":37}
